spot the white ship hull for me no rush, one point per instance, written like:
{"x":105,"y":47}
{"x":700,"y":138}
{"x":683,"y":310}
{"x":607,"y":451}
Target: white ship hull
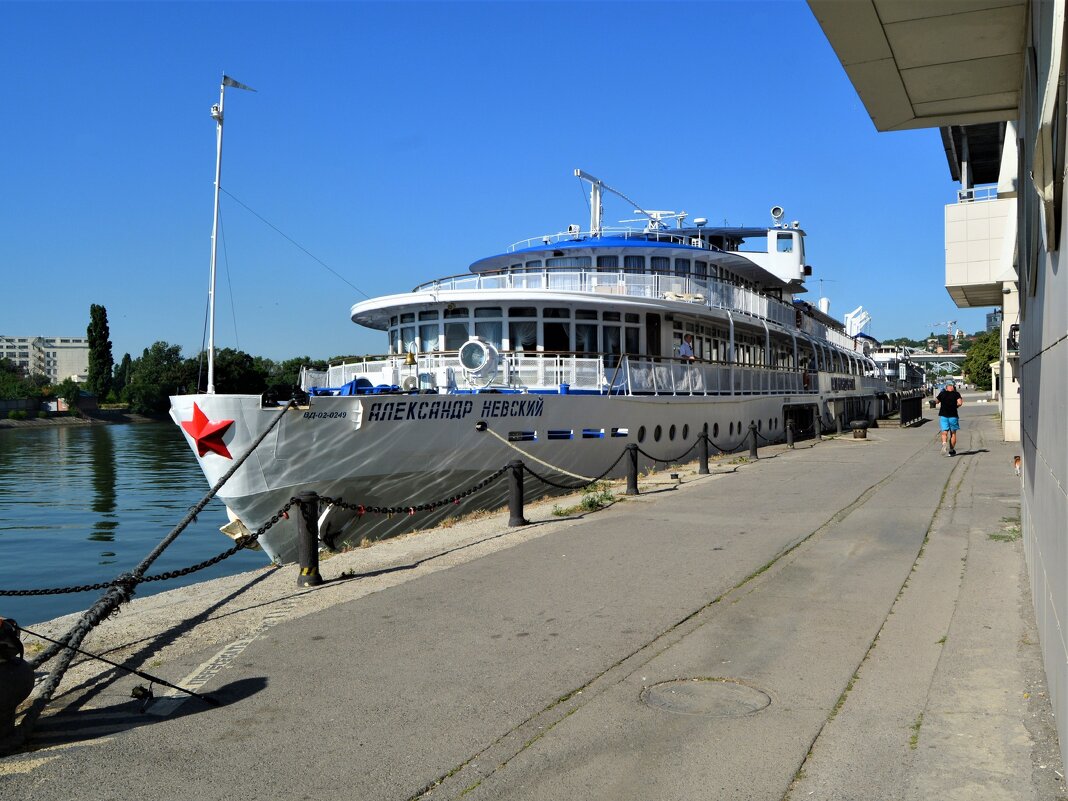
{"x":410,"y":450}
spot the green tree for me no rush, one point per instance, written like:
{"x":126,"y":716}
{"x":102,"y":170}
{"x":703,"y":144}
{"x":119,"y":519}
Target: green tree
{"x":69,"y":391}
{"x":121,"y":375}
{"x":158,"y":373}
{"x":236,"y":372}
{"x":985,"y":349}
{"x":100,"y":361}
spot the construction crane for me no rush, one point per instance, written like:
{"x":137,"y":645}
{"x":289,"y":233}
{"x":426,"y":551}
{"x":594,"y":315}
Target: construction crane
{"x":951,"y":326}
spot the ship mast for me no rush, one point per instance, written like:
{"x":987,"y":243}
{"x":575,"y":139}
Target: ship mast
{"x":217,"y":115}
{"x":596,"y":211}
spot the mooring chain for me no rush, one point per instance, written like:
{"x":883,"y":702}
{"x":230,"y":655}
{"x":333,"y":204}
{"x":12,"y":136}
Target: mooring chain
{"x":127,"y":579}
{"x":362,"y":509}
{"x":552,"y":483}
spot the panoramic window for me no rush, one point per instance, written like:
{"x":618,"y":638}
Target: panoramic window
{"x":682,"y":266}
{"x":634,"y":264}
{"x":608,"y":262}
{"x":660,"y":264}
{"x":568,"y":261}
{"x":456,"y":311}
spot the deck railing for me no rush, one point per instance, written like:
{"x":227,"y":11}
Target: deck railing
{"x":560,"y":372}
{"x":710,"y":292}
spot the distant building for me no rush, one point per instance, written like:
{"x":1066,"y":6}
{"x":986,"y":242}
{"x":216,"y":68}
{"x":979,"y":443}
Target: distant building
{"x":56,"y":358}
{"x":993,"y":320}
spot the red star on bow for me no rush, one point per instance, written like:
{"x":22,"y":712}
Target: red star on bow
{"x":208,"y":436}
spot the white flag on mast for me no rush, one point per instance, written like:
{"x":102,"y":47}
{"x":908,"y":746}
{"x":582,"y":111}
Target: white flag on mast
{"x":228,"y":81}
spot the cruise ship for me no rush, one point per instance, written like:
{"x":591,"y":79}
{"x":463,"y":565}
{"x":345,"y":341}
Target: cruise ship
{"x":559,"y":351}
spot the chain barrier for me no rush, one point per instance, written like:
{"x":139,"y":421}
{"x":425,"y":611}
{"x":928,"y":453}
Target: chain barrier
{"x":552,"y":483}
{"x":361,"y":509}
{"x":678,"y":458}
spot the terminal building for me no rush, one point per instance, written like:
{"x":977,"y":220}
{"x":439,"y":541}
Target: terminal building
{"x":56,"y":358}
{"x":990,"y":75}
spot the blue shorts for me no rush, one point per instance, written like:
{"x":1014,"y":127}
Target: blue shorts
{"x":949,"y":423}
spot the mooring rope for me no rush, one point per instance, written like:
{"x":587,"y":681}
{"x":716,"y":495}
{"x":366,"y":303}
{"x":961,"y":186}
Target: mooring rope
{"x":542,"y":462}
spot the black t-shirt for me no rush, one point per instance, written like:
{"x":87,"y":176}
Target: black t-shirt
{"x":948,"y":399}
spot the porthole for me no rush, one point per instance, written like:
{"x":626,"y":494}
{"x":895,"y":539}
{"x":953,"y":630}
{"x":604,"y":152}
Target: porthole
{"x":739,"y":426}
{"x":656,"y":433}
{"x":685,"y":431}
{"x":760,"y":425}
{"x":715,"y":430}
{"x":671,"y":432}
{"x":641,"y":434}
{"x":732,"y":428}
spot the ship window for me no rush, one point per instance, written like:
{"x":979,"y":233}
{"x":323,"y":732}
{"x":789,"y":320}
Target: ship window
{"x":660,"y":264}
{"x":428,"y":315}
{"x":608,"y":262}
{"x":455,"y":335}
{"x":613,"y":316}
{"x":585,"y":338}
{"x":632,"y":318}
{"x":671,"y":432}
{"x":682,"y":266}
{"x":489,"y":330}
{"x":557,"y":336}
{"x":489,"y":311}
{"x":641,"y":434}
{"x":523,"y":336}
{"x":568,"y":261}
{"x":393,"y":320}
{"x":407,"y":339}
{"x":458,"y":311}
{"x":611,"y":340}
{"x":428,"y":335}
{"x":701,"y":268}
{"x":585,"y":314}
{"x":534,"y":265}
{"x":686,"y":431}
{"x":784,"y":243}
{"x":522,"y":311}
{"x":407,"y":318}
{"x":553,"y":311}
{"x":657,"y":432}
{"x":634,"y":264}
{"x":632,"y":340}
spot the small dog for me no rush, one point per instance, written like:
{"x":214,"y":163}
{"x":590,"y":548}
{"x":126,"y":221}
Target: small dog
{"x":1016,"y":464}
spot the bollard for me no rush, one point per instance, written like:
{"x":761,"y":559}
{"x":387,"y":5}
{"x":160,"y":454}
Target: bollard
{"x":16,"y":675}
{"x":632,"y":470}
{"x":752,"y":441}
{"x":838,"y":425}
{"x":515,"y":494}
{"x":817,"y":424}
{"x":308,"y":540}
{"x":789,"y":433}
{"x":702,"y":454}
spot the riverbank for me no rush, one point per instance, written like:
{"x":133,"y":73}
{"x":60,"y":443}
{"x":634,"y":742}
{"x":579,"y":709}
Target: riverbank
{"x":101,"y":417}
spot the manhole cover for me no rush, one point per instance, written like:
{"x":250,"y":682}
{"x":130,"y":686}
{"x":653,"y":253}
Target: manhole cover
{"x":720,"y":698}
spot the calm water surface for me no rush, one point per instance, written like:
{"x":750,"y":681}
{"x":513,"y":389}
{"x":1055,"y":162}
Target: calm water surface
{"x":82,"y":504}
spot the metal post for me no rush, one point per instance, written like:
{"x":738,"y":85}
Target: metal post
{"x":752,"y":441}
{"x":838,"y":424}
{"x":308,"y":540}
{"x":632,"y":469}
{"x":789,"y":432}
{"x":817,"y":423}
{"x":515,"y":494}
{"x":702,"y":454}
{"x":16,"y":675}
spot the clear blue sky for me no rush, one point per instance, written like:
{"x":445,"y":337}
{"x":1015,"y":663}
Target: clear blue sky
{"x":401,"y":141}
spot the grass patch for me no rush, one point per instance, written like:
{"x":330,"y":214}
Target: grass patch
{"x":914,"y":739}
{"x":1008,"y":534}
{"x":941,"y":641}
{"x":596,"y":496}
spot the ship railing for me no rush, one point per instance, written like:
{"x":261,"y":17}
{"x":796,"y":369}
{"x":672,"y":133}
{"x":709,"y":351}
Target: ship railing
{"x":707,"y":291}
{"x":644,"y":234}
{"x":667,"y":376}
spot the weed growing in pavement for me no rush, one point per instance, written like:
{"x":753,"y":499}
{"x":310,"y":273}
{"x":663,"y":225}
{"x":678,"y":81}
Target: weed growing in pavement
{"x":914,"y":740}
{"x":596,"y":496}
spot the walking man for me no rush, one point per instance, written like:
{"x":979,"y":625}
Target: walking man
{"x":949,"y":400}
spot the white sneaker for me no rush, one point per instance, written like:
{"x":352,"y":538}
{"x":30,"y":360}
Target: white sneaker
{"x":945,"y":449}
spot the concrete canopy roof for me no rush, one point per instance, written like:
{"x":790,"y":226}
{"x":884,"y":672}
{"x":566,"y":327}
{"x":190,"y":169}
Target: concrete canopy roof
{"x":929,"y":63}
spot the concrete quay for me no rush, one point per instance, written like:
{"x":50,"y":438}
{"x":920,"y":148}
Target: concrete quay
{"x":847,"y":620}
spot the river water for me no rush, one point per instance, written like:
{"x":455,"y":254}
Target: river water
{"x":82,"y":504}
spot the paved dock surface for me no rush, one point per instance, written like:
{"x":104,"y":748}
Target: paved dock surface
{"x":847,"y":620}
